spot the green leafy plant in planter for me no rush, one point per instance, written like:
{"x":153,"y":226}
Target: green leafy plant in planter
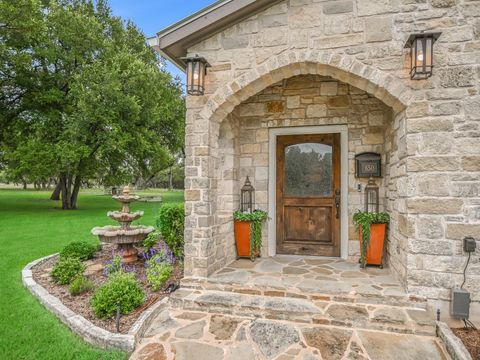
{"x":363,"y":220}
{"x":256,"y":219}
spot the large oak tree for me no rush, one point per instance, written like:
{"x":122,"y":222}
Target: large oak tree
{"x":82,"y":96}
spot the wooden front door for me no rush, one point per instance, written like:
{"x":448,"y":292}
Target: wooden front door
{"x":308,"y":194}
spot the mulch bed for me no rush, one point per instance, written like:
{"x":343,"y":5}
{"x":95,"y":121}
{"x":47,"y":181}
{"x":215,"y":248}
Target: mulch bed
{"x":471,"y":340}
{"x":80,"y":304}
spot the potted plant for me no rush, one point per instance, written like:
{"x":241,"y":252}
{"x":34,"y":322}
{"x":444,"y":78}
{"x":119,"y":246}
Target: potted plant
{"x":248,"y":232}
{"x":373,"y":228}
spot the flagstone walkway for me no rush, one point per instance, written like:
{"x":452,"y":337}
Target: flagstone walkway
{"x":184,"y":335}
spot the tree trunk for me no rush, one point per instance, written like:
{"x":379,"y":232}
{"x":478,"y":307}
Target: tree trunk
{"x":66,"y":180}
{"x":170,"y":179}
{"x":24,"y":185}
{"x":76,"y":190}
{"x":56,"y":192}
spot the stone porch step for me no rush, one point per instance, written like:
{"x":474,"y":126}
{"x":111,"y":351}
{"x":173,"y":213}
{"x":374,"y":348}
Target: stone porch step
{"x":324,"y":311}
{"x":313,"y":290}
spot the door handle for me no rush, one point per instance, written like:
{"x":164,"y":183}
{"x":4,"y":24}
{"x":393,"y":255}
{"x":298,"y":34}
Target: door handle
{"x":337,"y":203}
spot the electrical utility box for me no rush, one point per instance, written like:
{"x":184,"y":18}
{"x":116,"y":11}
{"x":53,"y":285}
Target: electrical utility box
{"x":460,"y":305}
{"x":469,"y":244}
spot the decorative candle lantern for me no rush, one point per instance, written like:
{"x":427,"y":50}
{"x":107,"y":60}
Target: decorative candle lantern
{"x":247,"y":196}
{"x":196,"y":71}
{"x":421,"y":52}
{"x":371,"y":196}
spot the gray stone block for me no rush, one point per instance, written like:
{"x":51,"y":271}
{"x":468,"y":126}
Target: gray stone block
{"x":338,"y":7}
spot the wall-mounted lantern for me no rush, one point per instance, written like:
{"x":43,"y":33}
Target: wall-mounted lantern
{"x":247,"y":197}
{"x":196,"y":71}
{"x":421,"y":54}
{"x":371,"y":197}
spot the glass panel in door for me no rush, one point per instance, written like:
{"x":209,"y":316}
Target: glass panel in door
{"x":308,"y":170}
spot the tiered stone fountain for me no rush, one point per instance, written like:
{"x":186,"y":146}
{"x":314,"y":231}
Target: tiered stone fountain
{"x":125,"y":235}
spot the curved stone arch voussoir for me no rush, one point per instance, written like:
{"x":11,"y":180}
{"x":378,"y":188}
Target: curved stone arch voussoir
{"x":342,"y":67}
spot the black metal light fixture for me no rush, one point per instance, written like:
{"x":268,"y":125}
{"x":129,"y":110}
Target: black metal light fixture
{"x":421,"y":54}
{"x":196,"y":71}
{"x":371,"y":197}
{"x":247,"y":197}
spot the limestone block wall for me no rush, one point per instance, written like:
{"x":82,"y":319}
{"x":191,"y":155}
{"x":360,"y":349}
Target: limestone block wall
{"x":435,"y":170}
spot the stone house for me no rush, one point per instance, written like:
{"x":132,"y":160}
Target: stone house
{"x":333,"y":78}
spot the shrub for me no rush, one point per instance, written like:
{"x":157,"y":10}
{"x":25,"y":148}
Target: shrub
{"x":122,"y":290}
{"x":80,"y":285}
{"x":151,"y":240}
{"x":159,"y":270}
{"x":170,"y":222}
{"x":66,"y":269}
{"x":79,"y":249}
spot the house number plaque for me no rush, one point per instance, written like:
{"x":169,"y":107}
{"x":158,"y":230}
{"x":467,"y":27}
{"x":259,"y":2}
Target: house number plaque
{"x":368,"y":165}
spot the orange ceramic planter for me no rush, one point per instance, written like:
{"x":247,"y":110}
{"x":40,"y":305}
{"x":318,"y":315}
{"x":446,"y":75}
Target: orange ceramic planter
{"x":242,"y":238}
{"x":377,"y":243}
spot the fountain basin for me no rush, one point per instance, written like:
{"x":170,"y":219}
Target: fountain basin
{"x":124,"y":217}
{"x":117,"y":235}
{"x":126,"y":198}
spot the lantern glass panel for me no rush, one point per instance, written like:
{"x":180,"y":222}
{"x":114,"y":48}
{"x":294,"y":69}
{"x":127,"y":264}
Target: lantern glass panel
{"x":247,"y":197}
{"x":428,"y":54}
{"x":189,"y":76}
{"x":201,"y":76}
{"x":420,"y":54}
{"x":413,"y":57}
{"x":196,"y":75}
{"x":372,"y":200}
{"x":371,"y":197}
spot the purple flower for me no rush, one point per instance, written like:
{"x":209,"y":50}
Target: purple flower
{"x":114,"y":265}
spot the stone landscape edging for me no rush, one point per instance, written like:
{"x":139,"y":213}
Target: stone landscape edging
{"x":81,"y":326}
{"x":453,"y":344}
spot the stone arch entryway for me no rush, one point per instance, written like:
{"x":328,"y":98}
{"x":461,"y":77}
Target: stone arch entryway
{"x":219,"y":174}
{"x":342,"y":67}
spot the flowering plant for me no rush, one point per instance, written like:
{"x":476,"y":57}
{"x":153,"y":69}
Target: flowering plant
{"x":159,"y":269}
{"x":163,"y":250}
{"x":117,"y":265}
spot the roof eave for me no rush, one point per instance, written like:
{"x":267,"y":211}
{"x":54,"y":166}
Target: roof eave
{"x":174,"y":41}
{"x":154,"y":43}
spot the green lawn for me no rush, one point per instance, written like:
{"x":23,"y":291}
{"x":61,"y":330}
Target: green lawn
{"x":31,"y":226}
